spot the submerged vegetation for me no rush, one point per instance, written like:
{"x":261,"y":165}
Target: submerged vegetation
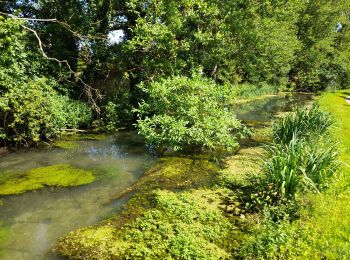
{"x":174,"y":70}
{"x":61,"y":175}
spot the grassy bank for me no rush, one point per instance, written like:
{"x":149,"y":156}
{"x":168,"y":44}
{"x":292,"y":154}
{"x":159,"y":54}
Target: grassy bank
{"x":327,"y":222}
{"x":322,"y":226}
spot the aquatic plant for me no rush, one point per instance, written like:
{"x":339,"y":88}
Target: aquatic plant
{"x":62,"y":175}
{"x":184,"y":225}
{"x":4,"y":234}
{"x":300,"y":164}
{"x":302,"y":124}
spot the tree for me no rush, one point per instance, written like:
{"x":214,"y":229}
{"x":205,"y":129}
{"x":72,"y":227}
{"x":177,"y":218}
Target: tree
{"x":31,"y":105}
{"x":323,"y":60}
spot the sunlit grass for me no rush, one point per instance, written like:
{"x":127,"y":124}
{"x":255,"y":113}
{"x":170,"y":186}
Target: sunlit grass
{"x":326,"y":224}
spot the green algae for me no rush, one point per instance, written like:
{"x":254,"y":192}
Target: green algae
{"x":62,"y":175}
{"x":175,"y":211}
{"x":176,"y":173}
{"x":63,"y":144}
{"x":71,"y":140}
{"x":180,"y":225}
{"x":4,"y":234}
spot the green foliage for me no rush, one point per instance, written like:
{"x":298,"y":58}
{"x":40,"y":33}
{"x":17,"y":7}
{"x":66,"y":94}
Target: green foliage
{"x":302,"y":124}
{"x":30,"y":106}
{"x":181,"y":111}
{"x":299,"y":155}
{"x":185,"y":225}
{"x":61,"y":175}
{"x":321,"y":63}
{"x":246,"y":90}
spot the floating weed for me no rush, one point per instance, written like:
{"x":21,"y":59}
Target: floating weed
{"x":187,"y":225}
{"x":62,"y":175}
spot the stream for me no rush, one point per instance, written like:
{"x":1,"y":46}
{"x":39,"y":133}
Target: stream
{"x":35,"y":220}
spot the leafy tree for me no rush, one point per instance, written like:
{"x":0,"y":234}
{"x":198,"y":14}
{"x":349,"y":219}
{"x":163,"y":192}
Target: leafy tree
{"x":31,"y":108}
{"x":323,"y":61}
{"x":181,"y":112}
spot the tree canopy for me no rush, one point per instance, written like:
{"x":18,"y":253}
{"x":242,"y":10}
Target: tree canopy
{"x":72,"y":47}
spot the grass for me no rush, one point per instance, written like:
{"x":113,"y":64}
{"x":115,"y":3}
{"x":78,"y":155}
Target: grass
{"x":327,"y":222}
{"x":62,"y":175}
{"x":322,"y":230}
{"x":301,"y":124}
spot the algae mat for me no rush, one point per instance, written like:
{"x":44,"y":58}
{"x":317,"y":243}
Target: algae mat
{"x":62,"y":175}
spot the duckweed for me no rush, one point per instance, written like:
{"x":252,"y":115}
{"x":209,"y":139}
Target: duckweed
{"x":62,"y":175}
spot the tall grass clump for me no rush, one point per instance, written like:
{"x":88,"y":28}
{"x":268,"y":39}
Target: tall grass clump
{"x":302,"y":124}
{"x":302,"y":156}
{"x":300,"y":165}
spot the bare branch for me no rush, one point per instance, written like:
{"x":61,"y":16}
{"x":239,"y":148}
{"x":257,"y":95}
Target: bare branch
{"x":63,"y":24}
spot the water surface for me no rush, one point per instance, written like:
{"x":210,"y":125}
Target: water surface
{"x":266,"y":108}
{"x":35,"y":220}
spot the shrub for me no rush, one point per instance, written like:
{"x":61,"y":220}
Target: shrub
{"x":304,"y":123}
{"x":181,"y":111}
{"x":35,"y":111}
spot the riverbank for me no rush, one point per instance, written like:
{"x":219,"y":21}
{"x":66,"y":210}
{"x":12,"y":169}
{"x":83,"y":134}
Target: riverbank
{"x":189,"y":206}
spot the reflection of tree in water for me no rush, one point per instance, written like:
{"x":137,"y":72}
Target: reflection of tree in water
{"x":265,"y":109}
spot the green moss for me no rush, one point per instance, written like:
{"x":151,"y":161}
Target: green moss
{"x":176,"y":211}
{"x":62,"y":175}
{"x":176,"y":173}
{"x":65,"y":144}
{"x":185,"y":225}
